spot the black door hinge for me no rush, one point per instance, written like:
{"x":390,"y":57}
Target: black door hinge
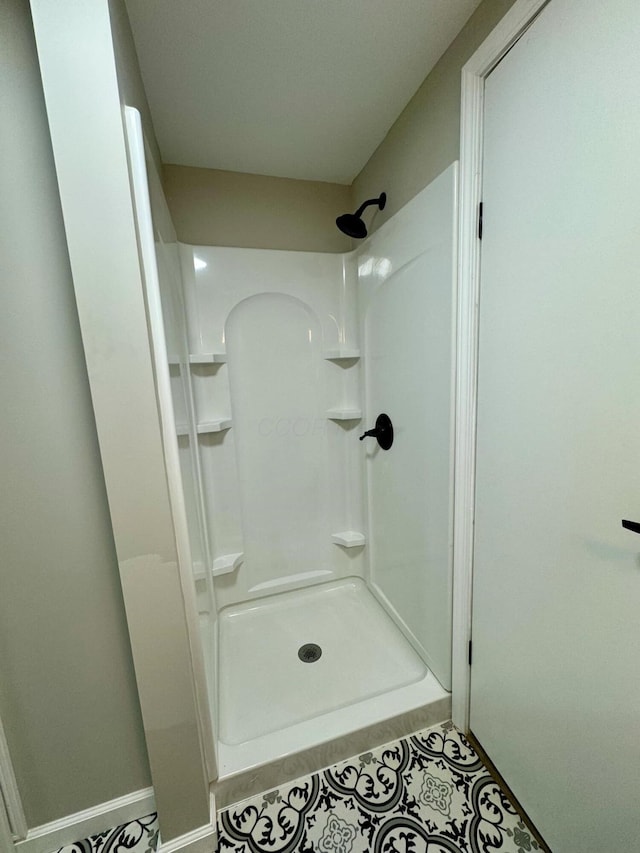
{"x":480,"y":214}
{"x":469,"y":655}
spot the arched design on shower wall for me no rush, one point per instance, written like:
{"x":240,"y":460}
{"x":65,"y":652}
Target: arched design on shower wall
{"x":276,"y":389}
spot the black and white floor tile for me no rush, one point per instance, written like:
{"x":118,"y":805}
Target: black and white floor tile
{"x":138,"y":836}
{"x":428,"y":793}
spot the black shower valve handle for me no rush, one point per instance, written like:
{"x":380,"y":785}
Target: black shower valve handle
{"x":382,"y":432}
{"x":370,"y":433}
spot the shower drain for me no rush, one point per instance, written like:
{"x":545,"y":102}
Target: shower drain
{"x":309,"y":653}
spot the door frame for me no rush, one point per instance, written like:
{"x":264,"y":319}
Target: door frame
{"x":474,"y":73}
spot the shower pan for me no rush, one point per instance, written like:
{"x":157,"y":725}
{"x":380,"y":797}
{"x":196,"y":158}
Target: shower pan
{"x":312,"y":539}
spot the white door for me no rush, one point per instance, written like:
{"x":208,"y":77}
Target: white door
{"x":555,"y":680}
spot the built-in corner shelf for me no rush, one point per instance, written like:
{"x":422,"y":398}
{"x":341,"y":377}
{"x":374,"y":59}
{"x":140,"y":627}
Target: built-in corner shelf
{"x":349,"y":539}
{"x":226,"y":564}
{"x":221,"y":566}
{"x":342,"y":354}
{"x":208,"y":358}
{"x":344,"y":414}
{"x":219,"y":425}
{"x":199,"y":573}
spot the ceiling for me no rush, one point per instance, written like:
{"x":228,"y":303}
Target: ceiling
{"x":292,"y":88}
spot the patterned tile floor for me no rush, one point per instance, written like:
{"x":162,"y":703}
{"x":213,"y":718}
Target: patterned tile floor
{"x":138,"y":836}
{"x":428,"y":793}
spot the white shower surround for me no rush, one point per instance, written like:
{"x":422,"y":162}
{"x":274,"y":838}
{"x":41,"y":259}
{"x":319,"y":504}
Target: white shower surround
{"x":293,"y":355}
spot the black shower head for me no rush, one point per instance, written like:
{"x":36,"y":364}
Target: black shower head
{"x":352,"y":224}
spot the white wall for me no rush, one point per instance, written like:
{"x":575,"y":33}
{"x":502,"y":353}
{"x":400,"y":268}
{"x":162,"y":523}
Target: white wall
{"x":406,"y":302}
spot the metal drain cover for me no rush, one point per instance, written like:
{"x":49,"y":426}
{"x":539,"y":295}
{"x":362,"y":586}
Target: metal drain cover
{"x":309,"y":653}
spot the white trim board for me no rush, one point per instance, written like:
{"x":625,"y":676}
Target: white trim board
{"x":84,"y":824}
{"x":474,"y":73}
{"x":201,"y":840}
{"x":144,"y":222}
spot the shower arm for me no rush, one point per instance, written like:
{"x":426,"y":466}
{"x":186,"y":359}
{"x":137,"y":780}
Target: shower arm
{"x":380,"y":201}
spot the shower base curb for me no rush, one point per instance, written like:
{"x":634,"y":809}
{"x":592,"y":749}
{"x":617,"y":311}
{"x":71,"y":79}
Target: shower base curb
{"x":250,"y":782}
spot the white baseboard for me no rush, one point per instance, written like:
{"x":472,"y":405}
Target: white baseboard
{"x":81,"y":825}
{"x":201,"y":840}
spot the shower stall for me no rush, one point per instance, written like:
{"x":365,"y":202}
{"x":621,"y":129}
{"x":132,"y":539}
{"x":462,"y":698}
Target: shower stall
{"x":321,"y":562}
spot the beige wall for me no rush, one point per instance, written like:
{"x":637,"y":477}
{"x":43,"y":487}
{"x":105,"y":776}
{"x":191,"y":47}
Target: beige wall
{"x":211,"y":207}
{"x":67,"y":693}
{"x":425,"y":139}
{"x":130,"y":83}
{"x":215,"y":208}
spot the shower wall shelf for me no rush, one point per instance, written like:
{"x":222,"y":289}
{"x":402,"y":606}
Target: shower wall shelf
{"x":199,"y":573}
{"x":218,"y":425}
{"x":226,"y":564}
{"x":208,"y":358}
{"x":182,"y":429}
{"x":342,"y":354}
{"x":344,"y":414}
{"x":349,"y":539}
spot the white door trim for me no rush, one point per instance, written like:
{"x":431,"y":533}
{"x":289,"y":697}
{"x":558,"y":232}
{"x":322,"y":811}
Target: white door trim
{"x":474,"y":74}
